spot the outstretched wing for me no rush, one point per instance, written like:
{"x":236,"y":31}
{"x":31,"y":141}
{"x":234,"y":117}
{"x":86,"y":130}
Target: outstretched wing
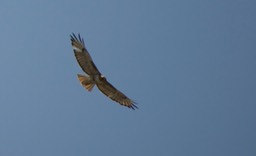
{"x":110,"y":91}
{"x":82,"y":56}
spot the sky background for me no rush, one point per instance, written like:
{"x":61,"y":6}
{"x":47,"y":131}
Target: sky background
{"x":190,"y":66}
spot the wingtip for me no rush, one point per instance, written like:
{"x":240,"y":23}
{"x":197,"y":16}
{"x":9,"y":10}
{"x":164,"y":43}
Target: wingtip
{"x":133,"y":106}
{"x":77,"y":37}
{"x":72,"y":37}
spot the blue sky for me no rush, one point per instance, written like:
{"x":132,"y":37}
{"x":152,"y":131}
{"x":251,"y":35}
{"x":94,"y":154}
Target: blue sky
{"x":190,"y":66}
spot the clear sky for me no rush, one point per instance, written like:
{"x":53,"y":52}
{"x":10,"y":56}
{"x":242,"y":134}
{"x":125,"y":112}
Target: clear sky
{"x":190,"y":66}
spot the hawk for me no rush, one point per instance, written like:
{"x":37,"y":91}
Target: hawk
{"x":94,"y":76}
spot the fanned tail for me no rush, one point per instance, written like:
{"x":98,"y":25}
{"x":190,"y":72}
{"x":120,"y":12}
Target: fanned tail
{"x":86,"y":82}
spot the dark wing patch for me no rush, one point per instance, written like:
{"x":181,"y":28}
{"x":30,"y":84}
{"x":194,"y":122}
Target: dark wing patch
{"x":82,"y":55}
{"x":110,"y":91}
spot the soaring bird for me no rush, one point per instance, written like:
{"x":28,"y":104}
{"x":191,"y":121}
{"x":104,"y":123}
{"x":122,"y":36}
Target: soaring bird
{"x":94,"y":76}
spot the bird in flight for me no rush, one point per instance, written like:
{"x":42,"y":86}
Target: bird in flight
{"x":94,"y":76}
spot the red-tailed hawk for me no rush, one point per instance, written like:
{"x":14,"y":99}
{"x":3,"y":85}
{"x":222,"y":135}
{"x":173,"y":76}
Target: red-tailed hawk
{"x":94,"y":76}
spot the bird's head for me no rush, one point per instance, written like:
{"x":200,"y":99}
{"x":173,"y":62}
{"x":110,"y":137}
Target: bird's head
{"x":102,"y":77}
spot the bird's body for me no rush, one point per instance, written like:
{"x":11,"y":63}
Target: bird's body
{"x":94,"y":76}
